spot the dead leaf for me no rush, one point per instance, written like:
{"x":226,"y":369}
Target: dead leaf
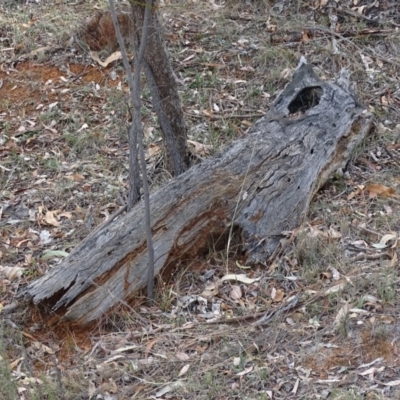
{"x":199,"y":148}
{"x":334,"y":234}
{"x":46,"y":349}
{"x":91,"y":389}
{"x":182,"y":356}
{"x":51,"y":218}
{"x":84,"y":126}
{"x":110,"y":59}
{"x":246,"y":123}
{"x":49,"y":128}
{"x":66,"y":215}
{"x":207,"y":113}
{"x":239,"y":278}
{"x":359,"y":9}
{"x":386,"y":319}
{"x":147,"y":132}
{"x":184,"y":369}
{"x":125,"y":348}
{"x":47,"y":254}
{"x":277,"y":295}
{"x":13,"y":364}
{"x":242,"y":266}
{"x":169,"y":388}
{"x":356,"y":192}
{"x":76,"y":177}
{"x":12,"y":273}
{"x":314,"y":322}
{"x":383,"y":243}
{"x":38,"y":50}
{"x":110,"y":386}
{"x":392,"y":383}
{"x":393,"y":261}
{"x":150,"y":345}
{"x":245,"y":371}
{"x":335,"y":273}
{"x":336,"y":288}
{"x":296,"y":386}
{"x":372,"y":371}
{"x":236,"y":292}
{"x":153,"y":150}
{"x":341,"y":315}
{"x":211,"y":290}
{"x":326,"y":275}
{"x":376,"y":189}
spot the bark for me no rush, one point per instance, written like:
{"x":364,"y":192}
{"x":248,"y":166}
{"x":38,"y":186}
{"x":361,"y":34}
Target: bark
{"x":163,"y":88}
{"x":262,"y":185}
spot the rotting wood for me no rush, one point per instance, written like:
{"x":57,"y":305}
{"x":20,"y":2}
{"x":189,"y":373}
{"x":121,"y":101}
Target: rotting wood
{"x":262,"y":184}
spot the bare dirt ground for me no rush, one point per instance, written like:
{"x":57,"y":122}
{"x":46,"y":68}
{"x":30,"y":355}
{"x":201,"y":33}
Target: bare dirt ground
{"x":63,"y":170}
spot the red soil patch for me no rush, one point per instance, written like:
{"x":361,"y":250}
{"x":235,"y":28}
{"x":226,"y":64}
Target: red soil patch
{"x":28,"y":87}
{"x":348,"y":353}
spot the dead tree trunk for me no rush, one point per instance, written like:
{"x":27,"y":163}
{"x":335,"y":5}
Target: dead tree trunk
{"x":163,"y":89}
{"x":261,"y":184}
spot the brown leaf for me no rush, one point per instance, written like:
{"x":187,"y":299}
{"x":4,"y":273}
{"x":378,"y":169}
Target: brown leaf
{"x":277,"y":295}
{"x":376,"y":189}
{"x":150,"y":345}
{"x":333,"y":234}
{"x":109,"y":386}
{"x":76,"y":177}
{"x":14,"y":363}
{"x":152,"y":150}
{"x":356,"y":192}
{"x":199,"y":148}
{"x":51,"y":219}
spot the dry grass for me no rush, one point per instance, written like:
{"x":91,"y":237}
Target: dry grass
{"x":63,"y":122}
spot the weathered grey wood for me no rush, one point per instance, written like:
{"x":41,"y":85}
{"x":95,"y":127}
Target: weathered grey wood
{"x":263,"y":184}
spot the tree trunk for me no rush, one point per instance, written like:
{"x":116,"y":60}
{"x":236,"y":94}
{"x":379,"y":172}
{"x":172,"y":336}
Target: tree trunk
{"x":163,"y":88}
{"x":261,"y":185}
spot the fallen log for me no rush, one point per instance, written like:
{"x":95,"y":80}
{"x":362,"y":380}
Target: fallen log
{"x":261,"y":185}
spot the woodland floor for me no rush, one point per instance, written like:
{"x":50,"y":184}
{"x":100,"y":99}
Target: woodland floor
{"x":63,"y":170}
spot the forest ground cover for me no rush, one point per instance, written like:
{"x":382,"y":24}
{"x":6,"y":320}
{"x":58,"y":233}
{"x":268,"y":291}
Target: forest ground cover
{"x":63,"y":171}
